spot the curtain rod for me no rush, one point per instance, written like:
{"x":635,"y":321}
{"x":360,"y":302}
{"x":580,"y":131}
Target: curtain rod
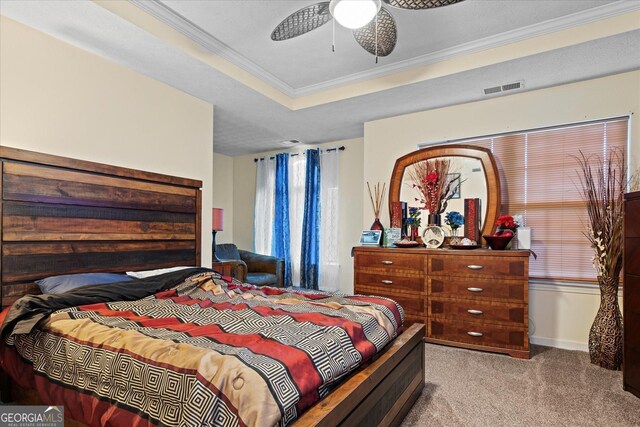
{"x":341,"y":148}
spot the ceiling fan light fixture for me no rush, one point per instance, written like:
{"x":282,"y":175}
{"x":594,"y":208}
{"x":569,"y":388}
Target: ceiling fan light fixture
{"x":354,"y":14}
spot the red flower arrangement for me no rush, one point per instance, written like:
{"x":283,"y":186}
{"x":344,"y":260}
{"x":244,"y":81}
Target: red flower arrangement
{"x":430,"y":178}
{"x":506,"y":222}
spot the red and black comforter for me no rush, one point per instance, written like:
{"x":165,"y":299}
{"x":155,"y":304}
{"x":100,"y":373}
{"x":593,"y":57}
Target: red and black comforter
{"x":197,"y":350}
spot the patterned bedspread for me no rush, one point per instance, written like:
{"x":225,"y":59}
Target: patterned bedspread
{"x":204,"y":351}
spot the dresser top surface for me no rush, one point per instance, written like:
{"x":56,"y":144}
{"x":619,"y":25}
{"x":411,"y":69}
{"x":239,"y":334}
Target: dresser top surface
{"x":444,"y":251}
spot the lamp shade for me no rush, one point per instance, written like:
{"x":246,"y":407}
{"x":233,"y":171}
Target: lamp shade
{"x":217,"y":219}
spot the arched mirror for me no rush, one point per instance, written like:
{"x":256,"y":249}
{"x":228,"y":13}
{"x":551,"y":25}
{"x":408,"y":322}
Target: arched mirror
{"x":478,"y":178}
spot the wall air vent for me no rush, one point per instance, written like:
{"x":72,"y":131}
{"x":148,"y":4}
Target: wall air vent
{"x":503,"y":88}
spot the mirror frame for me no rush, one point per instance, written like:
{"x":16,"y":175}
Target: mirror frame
{"x":492,"y":177}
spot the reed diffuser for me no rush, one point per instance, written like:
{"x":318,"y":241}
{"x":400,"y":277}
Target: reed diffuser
{"x":376,"y":203}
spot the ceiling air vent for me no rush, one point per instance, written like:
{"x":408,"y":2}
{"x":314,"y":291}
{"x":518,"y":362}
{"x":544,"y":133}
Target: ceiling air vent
{"x":491,"y":90}
{"x":512,"y":86}
{"x":504,"y":88}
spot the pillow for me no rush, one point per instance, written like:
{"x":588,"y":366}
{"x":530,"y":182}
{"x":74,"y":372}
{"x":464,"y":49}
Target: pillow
{"x":148,"y":273}
{"x":68,"y":282}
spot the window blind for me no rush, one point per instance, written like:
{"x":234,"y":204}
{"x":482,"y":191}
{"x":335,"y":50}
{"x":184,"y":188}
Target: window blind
{"x":539,"y":180}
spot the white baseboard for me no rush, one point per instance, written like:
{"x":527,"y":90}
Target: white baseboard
{"x":553,"y":342}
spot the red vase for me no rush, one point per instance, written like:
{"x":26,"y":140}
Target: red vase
{"x":414,"y":234}
{"x":377,"y":225}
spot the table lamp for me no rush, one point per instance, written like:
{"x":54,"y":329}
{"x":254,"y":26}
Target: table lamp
{"x":217,"y":225}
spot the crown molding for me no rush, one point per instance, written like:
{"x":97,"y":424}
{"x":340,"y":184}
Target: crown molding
{"x":210,"y":43}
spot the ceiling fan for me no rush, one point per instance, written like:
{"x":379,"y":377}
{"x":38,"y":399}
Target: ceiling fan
{"x":372,"y":24}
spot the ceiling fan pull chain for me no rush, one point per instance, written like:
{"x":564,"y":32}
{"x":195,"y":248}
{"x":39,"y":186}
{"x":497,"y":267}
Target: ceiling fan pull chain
{"x":333,"y":41}
{"x":376,"y":38}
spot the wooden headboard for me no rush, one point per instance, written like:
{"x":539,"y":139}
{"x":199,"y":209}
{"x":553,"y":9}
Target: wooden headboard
{"x":63,"y":216}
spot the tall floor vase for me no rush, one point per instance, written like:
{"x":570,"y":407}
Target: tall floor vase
{"x":605,"y":337}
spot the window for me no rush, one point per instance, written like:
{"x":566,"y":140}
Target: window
{"x":538,"y":176}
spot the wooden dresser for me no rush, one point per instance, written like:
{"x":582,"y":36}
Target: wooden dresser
{"x":474,"y":299}
{"x":631,"y":294}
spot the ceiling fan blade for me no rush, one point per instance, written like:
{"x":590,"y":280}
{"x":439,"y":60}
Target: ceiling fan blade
{"x":387,"y":34}
{"x":420,"y":4}
{"x":302,"y":21}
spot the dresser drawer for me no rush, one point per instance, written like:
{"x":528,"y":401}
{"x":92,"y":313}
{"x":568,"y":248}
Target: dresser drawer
{"x":472,"y":310}
{"x":387,"y":280}
{"x":631,"y":294}
{"x":399,"y":262}
{"x":478,"y":266}
{"x":631,"y":218}
{"x":479,"y":289}
{"x":481,"y":334}
{"x":632,"y":369}
{"x":411,"y":303}
{"x":632,"y":337}
{"x":632,"y":255}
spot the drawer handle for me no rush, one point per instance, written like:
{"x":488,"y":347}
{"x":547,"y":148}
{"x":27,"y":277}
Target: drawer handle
{"x":387,"y":282}
{"x":475,"y":334}
{"x":475,"y":289}
{"x":475,"y":267}
{"x":387,"y":262}
{"x":475,"y":312}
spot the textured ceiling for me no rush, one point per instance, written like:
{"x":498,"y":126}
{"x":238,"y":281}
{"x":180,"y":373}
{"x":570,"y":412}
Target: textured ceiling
{"x":307,"y":60}
{"x":246,"y":121}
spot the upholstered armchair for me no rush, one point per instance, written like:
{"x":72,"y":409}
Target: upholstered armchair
{"x":256,"y":269}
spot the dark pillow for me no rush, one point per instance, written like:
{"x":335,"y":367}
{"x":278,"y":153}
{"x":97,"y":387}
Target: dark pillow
{"x":68,"y":282}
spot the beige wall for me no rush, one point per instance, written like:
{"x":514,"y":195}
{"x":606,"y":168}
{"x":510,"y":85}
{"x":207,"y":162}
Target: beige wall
{"x":223,"y":194}
{"x":350,"y":202}
{"x":560,"y":315}
{"x":58,"y":99}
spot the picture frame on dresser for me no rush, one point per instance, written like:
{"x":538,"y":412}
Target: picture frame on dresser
{"x":371,"y":237}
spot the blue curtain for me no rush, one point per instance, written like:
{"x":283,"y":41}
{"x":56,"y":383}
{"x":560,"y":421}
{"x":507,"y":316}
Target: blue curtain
{"x":281,"y":241}
{"x":311,"y":223}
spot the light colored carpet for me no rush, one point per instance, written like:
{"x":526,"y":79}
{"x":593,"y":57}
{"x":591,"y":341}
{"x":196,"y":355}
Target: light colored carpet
{"x":554,"y":388}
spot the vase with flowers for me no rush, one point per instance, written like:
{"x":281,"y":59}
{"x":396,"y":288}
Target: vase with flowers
{"x":431,"y":178}
{"x":603,"y":184}
{"x":506,"y":228}
{"x":454,"y":220}
{"x":506,"y":225}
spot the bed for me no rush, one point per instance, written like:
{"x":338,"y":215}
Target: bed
{"x":62,"y":216}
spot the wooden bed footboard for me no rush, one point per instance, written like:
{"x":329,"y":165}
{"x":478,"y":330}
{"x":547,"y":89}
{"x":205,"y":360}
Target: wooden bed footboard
{"x":380,"y":394}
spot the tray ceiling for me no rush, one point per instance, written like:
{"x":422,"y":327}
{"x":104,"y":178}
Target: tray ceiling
{"x":265,"y":92}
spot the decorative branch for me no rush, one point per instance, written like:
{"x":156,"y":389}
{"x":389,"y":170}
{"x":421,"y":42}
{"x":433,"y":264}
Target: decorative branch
{"x":431,"y":178}
{"x":376,"y":197}
{"x":603,"y":182}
